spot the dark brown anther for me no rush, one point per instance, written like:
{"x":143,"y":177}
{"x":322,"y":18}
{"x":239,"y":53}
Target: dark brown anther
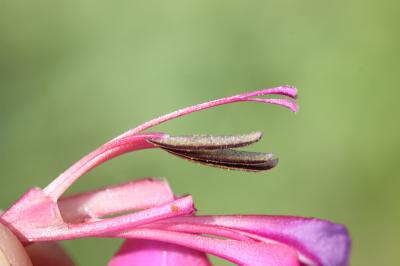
{"x":217,"y":151}
{"x":206,"y":142}
{"x":229,"y":159}
{"x":225,"y":156}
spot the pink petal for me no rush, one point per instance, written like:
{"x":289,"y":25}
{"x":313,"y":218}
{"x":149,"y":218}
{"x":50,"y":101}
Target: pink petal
{"x":239,"y":252}
{"x":36,"y":218}
{"x":155,"y":253}
{"x":182,"y":206}
{"x":33,"y":212}
{"x":134,"y":195}
{"x":321,"y":242}
{"x":202,"y":229}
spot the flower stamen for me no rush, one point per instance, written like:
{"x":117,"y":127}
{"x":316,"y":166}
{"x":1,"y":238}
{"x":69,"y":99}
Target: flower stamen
{"x":217,"y":151}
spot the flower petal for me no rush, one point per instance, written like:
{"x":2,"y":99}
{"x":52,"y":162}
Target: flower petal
{"x":239,"y":252}
{"x":322,"y":242}
{"x":181,"y":206}
{"x":203,"y":229}
{"x":155,"y":253}
{"x":134,"y":195}
{"x":42,"y":221}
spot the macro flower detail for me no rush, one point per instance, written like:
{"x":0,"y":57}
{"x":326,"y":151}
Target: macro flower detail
{"x":218,"y":151}
{"x":161,"y":228}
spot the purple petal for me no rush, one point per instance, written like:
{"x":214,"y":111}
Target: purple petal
{"x":155,"y":253}
{"x":322,"y":242}
{"x":239,"y":252}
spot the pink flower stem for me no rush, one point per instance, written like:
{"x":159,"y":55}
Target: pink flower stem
{"x":283,"y":90}
{"x":106,"y":152}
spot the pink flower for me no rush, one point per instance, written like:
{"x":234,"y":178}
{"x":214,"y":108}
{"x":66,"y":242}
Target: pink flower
{"x":165,"y":231}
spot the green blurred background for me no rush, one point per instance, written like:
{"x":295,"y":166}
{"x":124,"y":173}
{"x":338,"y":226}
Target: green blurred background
{"x":73,"y":74}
